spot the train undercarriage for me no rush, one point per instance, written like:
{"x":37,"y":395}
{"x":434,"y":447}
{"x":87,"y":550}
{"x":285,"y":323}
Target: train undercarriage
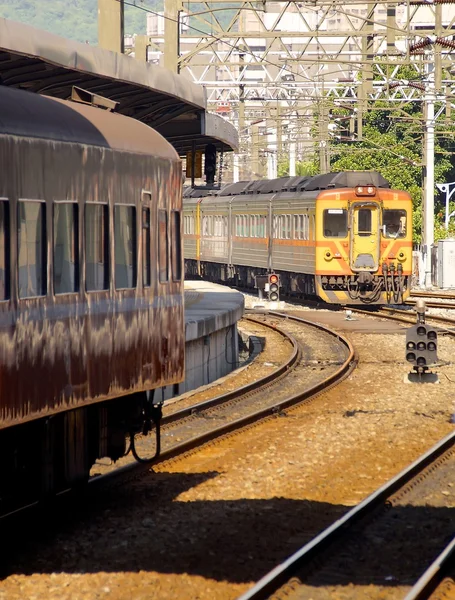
{"x":47,"y":456}
{"x":390,"y":287}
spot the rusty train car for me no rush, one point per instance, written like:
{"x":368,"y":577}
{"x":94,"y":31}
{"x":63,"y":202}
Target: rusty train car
{"x":91,"y":287}
{"x":343,"y":237}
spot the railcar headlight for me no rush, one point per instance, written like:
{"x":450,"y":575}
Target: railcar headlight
{"x":401,"y":256}
{"x":328,"y":255}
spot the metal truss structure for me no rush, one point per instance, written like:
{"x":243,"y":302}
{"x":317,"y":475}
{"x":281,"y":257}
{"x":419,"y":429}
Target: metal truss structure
{"x":268,"y":67}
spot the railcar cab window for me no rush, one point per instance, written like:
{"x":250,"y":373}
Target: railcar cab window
{"x":335,"y":222}
{"x":32,"y":248}
{"x":96,"y":247}
{"x":66,"y":259}
{"x":125,"y":246}
{"x":4,"y":251}
{"x":163,"y":245}
{"x":394,"y":224}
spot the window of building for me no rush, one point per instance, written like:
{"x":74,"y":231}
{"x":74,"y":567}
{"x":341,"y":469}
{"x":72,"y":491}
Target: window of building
{"x":335,"y":222}
{"x":32,"y":248}
{"x":176,"y":252}
{"x":163,"y":244}
{"x":66,"y":248}
{"x":125,"y":246}
{"x":4,"y":251}
{"x":96,"y":247}
{"x":146,"y":267}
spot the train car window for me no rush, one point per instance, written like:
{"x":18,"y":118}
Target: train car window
{"x":394,"y":224}
{"x":32,"y":249}
{"x":364,"y":222}
{"x":205,"y":226}
{"x":276,"y":225}
{"x":96,"y":247}
{"x":163,"y":244}
{"x":297,"y":227}
{"x":146,"y":267}
{"x":4,"y":251}
{"x":176,"y":252}
{"x":66,"y":248}
{"x":262,"y":227}
{"x":125,"y":246}
{"x":246,"y":226}
{"x":335,"y":222}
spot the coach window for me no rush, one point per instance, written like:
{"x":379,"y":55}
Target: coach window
{"x":335,"y":222}
{"x":163,"y":247}
{"x":364,"y":222}
{"x":176,"y":252}
{"x":146,"y":270}
{"x":394,"y":223}
{"x":4,"y":251}
{"x":66,"y":259}
{"x":125,"y":246}
{"x":96,"y":247}
{"x":32,"y":249}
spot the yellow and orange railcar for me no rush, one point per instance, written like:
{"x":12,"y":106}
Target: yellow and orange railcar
{"x":343,"y":237}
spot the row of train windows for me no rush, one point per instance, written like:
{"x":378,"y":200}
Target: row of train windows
{"x":32,"y":247}
{"x":285,"y":227}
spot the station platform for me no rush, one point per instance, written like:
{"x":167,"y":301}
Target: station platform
{"x":212,"y":349}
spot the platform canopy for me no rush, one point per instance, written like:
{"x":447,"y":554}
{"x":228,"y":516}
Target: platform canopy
{"x":44,"y":63}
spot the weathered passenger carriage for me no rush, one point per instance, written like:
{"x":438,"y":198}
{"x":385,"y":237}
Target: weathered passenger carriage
{"x":343,"y":237}
{"x":91,"y":290}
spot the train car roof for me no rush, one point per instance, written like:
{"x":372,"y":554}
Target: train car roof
{"x":326,"y":181}
{"x":30,"y":115}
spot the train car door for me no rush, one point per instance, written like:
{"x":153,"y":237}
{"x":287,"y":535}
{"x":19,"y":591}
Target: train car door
{"x":364,"y":236}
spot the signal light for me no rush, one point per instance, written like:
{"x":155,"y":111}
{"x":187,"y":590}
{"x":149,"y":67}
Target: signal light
{"x":274,"y":287}
{"x":421,"y":346}
{"x":210,"y":164}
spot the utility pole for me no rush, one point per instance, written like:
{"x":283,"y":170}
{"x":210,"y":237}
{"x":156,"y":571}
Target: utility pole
{"x":428,"y":231}
{"x":172,"y":10}
{"x":111,"y":25}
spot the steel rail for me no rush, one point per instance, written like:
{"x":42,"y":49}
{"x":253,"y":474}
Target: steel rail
{"x":430,"y":304}
{"x":432,"y":295}
{"x":281,"y":574}
{"x":396,"y":314}
{"x":433,"y":576}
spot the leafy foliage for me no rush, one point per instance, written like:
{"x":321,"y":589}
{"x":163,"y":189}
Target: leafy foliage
{"x":301,"y":168}
{"x":74,"y":19}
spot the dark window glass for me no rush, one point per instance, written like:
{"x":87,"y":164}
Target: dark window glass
{"x":176,"y":247}
{"x":146,"y":277}
{"x":32,"y":249}
{"x":4,"y":251}
{"x":66,"y":259}
{"x":335,"y":222}
{"x":364,"y":220}
{"x":96,"y":247}
{"x":163,"y":246}
{"x":125,"y":246}
{"x":394,"y":223}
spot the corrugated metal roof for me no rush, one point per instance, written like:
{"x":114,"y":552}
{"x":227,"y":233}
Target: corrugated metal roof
{"x":44,"y":63}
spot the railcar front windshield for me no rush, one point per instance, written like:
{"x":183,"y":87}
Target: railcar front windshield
{"x":335,"y":222}
{"x":394,"y":223}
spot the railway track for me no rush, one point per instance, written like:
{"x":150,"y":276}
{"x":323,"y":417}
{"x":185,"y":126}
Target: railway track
{"x":408,"y":316}
{"x":380,"y":541}
{"x":188,"y":429}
